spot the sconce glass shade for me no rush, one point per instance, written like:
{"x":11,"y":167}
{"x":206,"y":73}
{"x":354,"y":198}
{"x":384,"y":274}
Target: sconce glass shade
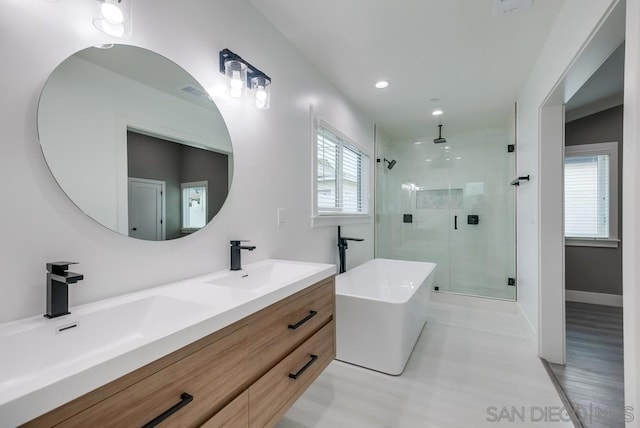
{"x":262,"y":86}
{"x":113,"y":17}
{"x":236,"y":72}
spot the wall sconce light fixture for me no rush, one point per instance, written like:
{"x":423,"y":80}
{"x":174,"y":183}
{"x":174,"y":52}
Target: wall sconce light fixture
{"x":262,"y":86}
{"x":242,"y":76}
{"x":113,"y":17}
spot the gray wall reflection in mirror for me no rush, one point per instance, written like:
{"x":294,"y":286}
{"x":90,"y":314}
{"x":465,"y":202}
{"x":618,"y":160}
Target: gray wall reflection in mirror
{"x":110,"y":115}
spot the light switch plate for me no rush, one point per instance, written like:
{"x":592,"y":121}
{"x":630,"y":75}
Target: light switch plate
{"x":281,"y":215}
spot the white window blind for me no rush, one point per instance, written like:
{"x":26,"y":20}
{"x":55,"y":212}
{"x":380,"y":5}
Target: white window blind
{"x":342,"y":175}
{"x":591,"y":195}
{"x":587,"y":198}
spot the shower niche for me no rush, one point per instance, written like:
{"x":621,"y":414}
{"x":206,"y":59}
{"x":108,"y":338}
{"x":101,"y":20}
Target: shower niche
{"x":461,"y":206}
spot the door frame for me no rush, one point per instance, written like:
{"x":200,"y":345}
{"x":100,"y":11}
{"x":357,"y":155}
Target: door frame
{"x":551,"y":318}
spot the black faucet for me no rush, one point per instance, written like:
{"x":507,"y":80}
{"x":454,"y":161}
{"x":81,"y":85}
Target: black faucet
{"x":342,"y":246}
{"x":58,"y":280}
{"x":235,"y":253}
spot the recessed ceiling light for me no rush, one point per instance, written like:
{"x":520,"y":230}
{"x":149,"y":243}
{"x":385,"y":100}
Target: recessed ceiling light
{"x":382,"y":84}
{"x":437,"y":112}
{"x":428,"y":160}
{"x":447,"y":159}
{"x":458,"y":157}
{"x":418,"y":142}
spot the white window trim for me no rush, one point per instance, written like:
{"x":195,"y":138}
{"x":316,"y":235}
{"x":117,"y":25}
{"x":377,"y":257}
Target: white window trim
{"x":592,"y":242}
{"x":611,"y":149}
{"x":327,"y":219}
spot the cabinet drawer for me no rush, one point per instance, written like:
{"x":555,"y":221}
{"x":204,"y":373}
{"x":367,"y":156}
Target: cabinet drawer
{"x":275,"y":331}
{"x":272,"y":394}
{"x":212,"y":376}
{"x":233,"y":415}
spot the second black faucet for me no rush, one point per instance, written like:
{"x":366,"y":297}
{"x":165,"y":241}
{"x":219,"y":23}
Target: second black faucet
{"x":342,"y":247}
{"x":236,"y":246}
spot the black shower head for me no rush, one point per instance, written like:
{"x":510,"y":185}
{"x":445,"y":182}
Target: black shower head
{"x":439,"y":140}
{"x":391,"y":163}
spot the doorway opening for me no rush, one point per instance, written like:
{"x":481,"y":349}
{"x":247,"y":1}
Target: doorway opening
{"x":580,"y":328}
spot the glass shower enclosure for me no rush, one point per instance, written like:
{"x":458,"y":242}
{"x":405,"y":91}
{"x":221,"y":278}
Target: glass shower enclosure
{"x":452,"y":204}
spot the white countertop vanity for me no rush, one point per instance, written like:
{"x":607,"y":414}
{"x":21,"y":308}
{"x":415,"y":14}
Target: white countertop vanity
{"x":46,"y":363}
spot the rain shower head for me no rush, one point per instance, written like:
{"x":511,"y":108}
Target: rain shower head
{"x":439,"y":140}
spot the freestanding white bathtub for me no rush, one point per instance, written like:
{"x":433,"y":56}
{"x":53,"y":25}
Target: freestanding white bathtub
{"x":381,"y":308}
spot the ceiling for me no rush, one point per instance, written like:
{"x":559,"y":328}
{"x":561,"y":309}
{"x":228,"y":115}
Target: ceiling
{"x":604,"y":89}
{"x":458,"y":51}
{"x":143,"y":66}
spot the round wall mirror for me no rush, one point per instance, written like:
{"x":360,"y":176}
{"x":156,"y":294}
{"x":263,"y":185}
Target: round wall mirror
{"x":135,"y":142}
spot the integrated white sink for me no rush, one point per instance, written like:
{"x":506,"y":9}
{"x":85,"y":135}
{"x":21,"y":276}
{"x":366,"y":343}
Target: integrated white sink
{"x":53,"y":344}
{"x":264,"y":275}
{"x":45,"y":363}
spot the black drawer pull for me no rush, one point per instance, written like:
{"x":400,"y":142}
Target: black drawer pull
{"x":304,"y":320}
{"x":295,"y":376}
{"x":184,"y":400}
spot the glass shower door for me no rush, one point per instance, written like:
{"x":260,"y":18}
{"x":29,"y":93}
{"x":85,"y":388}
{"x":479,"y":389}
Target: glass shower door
{"x":482,"y":244}
{"x":412,"y":215}
{"x":451,"y":204}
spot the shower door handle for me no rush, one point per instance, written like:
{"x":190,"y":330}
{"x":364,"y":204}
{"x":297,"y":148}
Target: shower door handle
{"x":455,"y":222}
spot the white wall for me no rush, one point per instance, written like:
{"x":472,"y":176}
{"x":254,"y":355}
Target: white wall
{"x":574,"y":25}
{"x":551,"y":323}
{"x":272,"y":152}
{"x":631,"y":211}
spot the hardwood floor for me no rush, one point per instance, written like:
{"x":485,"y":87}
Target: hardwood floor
{"x":593,"y":378}
{"x":472,"y":367}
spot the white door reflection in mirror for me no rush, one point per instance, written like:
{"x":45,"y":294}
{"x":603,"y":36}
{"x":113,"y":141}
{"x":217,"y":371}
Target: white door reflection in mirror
{"x":146,"y":209}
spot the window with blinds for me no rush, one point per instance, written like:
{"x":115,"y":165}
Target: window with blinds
{"x":194,"y":205}
{"x":342,"y":175}
{"x":589,"y":186}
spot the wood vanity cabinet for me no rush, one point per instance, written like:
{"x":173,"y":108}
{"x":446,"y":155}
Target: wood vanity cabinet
{"x":246,"y":375}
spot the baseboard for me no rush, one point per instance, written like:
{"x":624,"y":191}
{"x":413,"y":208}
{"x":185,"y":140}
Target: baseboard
{"x":593,"y":298}
{"x":528,"y":326}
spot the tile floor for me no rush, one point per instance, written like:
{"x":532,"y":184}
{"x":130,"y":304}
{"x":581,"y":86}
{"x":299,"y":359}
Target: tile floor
{"x":472,"y":367}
